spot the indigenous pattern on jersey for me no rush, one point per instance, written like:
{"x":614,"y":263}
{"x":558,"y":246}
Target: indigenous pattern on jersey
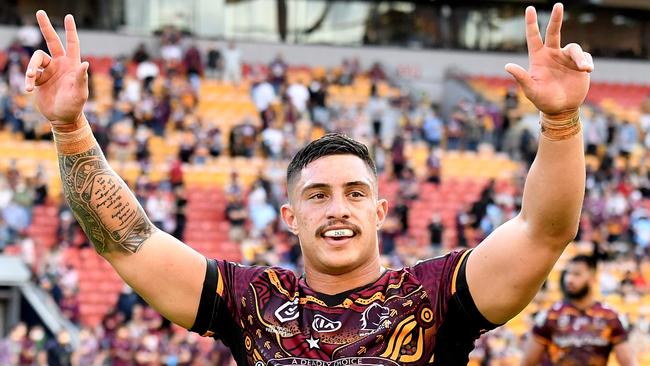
{"x":422,"y":315}
{"x":578,"y":337}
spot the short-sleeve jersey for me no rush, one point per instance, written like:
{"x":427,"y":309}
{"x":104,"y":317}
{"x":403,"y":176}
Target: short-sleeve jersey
{"x":420,"y":315}
{"x":578,"y":337}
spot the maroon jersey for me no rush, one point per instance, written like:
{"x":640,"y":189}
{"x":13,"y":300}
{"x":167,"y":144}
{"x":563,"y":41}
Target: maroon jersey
{"x":421,"y":315}
{"x":578,"y":337}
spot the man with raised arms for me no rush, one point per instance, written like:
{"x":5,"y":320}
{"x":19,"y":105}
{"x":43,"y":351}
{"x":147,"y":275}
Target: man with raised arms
{"x":345,"y":309}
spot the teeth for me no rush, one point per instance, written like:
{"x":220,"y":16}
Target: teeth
{"x":338,"y":233}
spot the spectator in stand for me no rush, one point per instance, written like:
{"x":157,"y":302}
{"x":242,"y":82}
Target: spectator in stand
{"x":32,"y":347}
{"x":5,"y":236}
{"x":29,"y":35}
{"x":14,"y":65}
{"x":193,"y":66}
{"x":243,"y":139}
{"x":118,"y":72}
{"x":11,"y":346}
{"x":348,"y":71}
{"x":170,"y":47}
{"x":214,"y":63}
{"x":408,"y":185}
{"x":87,"y":352}
{"x":260,"y":211}
{"x":390,"y":231}
{"x":159,"y":208}
{"x":39,"y":188}
{"x":27,"y":248}
{"x":317,"y":97}
{"x":232,"y":64}
{"x":121,"y":348}
{"x":433,"y":167}
{"x":510,"y":106}
{"x":69,"y":305}
{"x":263,"y":95}
{"x":402,"y":212}
{"x":278,"y":69}
{"x":180,"y":211}
{"x":273,"y":141}
{"x":146,"y":72}
{"x":59,"y":350}
{"x":433,"y":128}
{"x":236,"y":214}
{"x":215,"y":141}
{"x":147,"y":352}
{"x":397,"y":156}
{"x":137,"y":324}
{"x":376,"y":72}
{"x":628,"y":138}
{"x":298,"y":96}
{"x":436,"y":231}
{"x":140,"y":54}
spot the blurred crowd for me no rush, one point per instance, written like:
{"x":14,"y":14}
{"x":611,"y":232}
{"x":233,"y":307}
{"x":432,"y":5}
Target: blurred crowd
{"x":158,"y":96}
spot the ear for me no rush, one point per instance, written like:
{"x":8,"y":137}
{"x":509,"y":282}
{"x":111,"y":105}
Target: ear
{"x":289,"y":218}
{"x":382,"y":211}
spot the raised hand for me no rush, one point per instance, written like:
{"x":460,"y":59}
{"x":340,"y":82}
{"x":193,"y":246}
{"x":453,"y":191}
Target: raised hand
{"x":558,"y":78}
{"x":60,"y":82}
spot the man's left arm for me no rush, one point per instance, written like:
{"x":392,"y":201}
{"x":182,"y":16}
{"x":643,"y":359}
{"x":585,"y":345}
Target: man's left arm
{"x":619,"y":334}
{"x":507,"y":269}
{"x":624,"y":354}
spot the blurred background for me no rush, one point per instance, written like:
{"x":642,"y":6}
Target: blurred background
{"x":200,"y":104}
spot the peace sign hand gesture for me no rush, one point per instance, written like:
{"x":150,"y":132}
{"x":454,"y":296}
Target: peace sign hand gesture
{"x":558,"y":78}
{"x":60,"y":82}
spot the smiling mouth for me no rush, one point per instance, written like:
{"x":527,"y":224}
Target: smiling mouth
{"x":338,"y":234}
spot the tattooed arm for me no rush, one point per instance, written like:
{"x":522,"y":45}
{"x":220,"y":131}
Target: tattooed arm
{"x":106,"y":210}
{"x":165,"y":272}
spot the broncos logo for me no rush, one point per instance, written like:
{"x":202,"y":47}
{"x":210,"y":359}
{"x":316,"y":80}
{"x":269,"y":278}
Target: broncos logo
{"x":374,"y":316}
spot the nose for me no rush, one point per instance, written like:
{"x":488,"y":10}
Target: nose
{"x":338,"y":208}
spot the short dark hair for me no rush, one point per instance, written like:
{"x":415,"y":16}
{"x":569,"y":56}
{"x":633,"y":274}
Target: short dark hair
{"x":329,"y":144}
{"x":589,"y":261}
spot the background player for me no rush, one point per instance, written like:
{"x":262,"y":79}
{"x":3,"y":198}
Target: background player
{"x":578,"y":330}
{"x":513,"y":261}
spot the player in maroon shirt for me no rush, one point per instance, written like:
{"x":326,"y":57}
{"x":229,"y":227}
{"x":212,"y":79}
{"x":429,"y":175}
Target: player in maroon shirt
{"x":346,"y":309}
{"x":578,"y":330}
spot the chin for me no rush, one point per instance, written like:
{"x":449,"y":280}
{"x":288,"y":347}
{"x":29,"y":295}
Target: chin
{"x":339,"y":263}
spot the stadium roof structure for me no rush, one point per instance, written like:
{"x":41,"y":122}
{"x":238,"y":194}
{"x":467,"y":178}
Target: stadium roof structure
{"x":630,"y":4}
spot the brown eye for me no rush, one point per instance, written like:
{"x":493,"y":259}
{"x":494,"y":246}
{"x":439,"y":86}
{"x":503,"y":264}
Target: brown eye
{"x":318,"y":196}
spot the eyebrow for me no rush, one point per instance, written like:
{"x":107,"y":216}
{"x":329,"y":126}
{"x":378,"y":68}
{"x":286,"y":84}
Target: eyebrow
{"x":346,"y":185}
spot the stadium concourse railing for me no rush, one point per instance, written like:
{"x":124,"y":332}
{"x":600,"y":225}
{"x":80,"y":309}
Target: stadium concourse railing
{"x":15,"y":287}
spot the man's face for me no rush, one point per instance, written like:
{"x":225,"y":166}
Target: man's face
{"x":577,"y":280}
{"x":335,"y":211}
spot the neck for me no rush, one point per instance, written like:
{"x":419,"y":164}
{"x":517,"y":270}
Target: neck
{"x":330,"y":284}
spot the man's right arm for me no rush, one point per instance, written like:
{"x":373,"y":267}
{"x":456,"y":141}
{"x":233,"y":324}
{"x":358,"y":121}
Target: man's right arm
{"x":166,"y":273}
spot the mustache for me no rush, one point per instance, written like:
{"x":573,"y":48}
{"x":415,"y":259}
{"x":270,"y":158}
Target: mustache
{"x":321,"y":229}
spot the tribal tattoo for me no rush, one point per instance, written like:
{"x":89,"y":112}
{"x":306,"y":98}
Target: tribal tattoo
{"x":102,"y":203}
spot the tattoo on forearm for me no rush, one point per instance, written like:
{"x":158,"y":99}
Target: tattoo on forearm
{"x":108,"y":213}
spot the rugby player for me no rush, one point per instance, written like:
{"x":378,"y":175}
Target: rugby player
{"x":578,"y":330}
{"x":345,"y":309}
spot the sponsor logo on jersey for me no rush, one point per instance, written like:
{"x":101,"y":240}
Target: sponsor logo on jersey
{"x":323,"y":325}
{"x":373,"y":317}
{"x":288,"y":311}
{"x":348,"y":361}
